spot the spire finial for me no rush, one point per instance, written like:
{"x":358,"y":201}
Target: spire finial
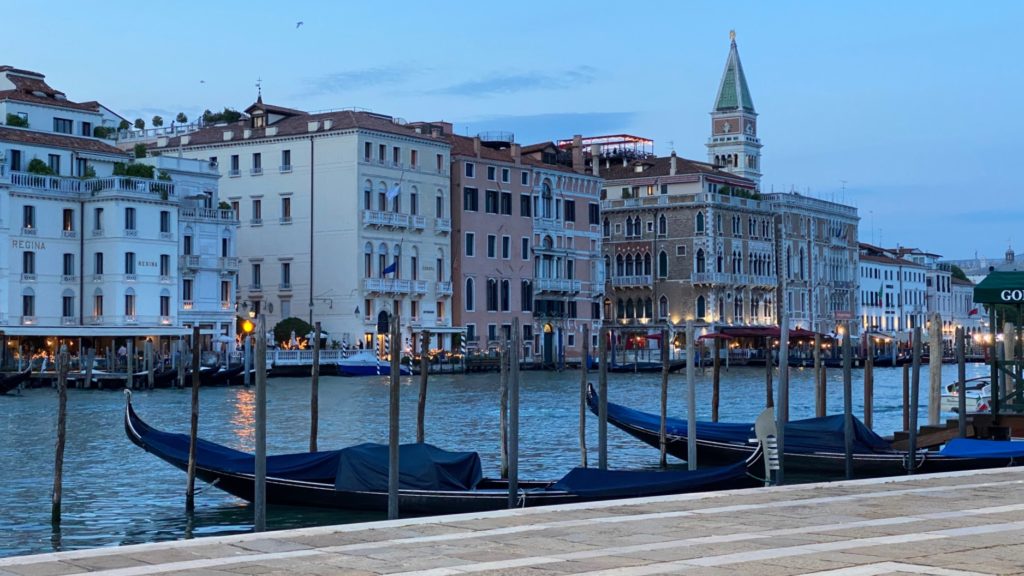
{"x":732,"y":36}
{"x":259,"y":87}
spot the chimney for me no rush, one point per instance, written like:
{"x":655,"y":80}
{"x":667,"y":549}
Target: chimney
{"x":595,"y":159}
{"x":577,"y":153}
{"x":517,"y":153}
{"x":476,"y":146}
{"x":436,"y":131}
{"x":672,"y":164}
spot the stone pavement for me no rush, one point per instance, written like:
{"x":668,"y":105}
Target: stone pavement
{"x":958,"y":524}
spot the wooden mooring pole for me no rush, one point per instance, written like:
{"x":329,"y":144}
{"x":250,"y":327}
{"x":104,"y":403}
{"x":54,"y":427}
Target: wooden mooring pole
{"x":602,"y":404}
{"x":915,"y":387}
{"x":260,"y":489}
{"x":584,"y":371}
{"x":869,"y":383}
{"x":90,"y":359}
{"x":691,"y":399}
{"x":769,"y":401}
{"x":961,"y":377}
{"x":503,"y":370}
{"x":934,"y":369}
{"x":314,"y":392}
{"x":63,"y":362}
{"x":394,"y":470}
{"x":421,"y":403}
{"x":129,"y":376}
{"x":190,"y":489}
{"x":819,"y":410}
{"x":513,"y":423}
{"x":716,"y":375}
{"x":848,"y":399}
{"x":662,"y":437}
{"x":150,"y":375}
{"x":906,"y":397}
{"x":782,"y":407}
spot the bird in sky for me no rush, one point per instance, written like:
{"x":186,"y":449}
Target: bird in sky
{"x":299,"y":23}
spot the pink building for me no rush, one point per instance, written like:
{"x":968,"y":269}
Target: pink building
{"x":526,"y":244}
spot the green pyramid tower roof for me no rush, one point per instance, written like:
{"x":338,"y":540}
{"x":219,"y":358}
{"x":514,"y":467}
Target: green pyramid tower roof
{"x":733,"y":93}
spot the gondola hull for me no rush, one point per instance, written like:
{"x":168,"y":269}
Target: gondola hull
{"x":321,"y":490}
{"x":823,"y":463}
{"x":12,"y":381}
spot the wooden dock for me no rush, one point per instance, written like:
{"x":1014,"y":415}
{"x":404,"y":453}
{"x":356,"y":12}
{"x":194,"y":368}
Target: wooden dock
{"x":955,"y":524}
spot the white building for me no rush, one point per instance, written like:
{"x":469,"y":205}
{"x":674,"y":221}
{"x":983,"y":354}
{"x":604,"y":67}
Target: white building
{"x":322,"y":224}
{"x":93,"y":254}
{"x":893,"y":292}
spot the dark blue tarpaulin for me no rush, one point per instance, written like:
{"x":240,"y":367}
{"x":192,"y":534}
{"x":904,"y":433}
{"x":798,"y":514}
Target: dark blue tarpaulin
{"x":592,"y":482}
{"x":802,"y":436}
{"x":972,"y":448}
{"x":421,"y":467}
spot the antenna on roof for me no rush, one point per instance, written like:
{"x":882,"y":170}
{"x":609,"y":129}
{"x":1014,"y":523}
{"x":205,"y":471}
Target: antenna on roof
{"x":259,"y":87}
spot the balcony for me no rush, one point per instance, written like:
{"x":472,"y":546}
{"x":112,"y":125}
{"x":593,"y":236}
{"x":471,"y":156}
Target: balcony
{"x":285,"y":220}
{"x":557,"y":285}
{"x":228,"y":264}
{"x":97,"y":232}
{"x":67,"y":278}
{"x":256,"y":221}
{"x":92,"y":186}
{"x":30,"y":277}
{"x":234,"y":173}
{"x":387,"y":219}
{"x":187,"y":304}
{"x":165,"y":279}
{"x":208,"y":214}
{"x":131,"y":277}
{"x":225,"y":305}
{"x":131,"y":233}
{"x":167,"y":235}
{"x":725,"y":278}
{"x":28,"y":231}
{"x":96,"y":319}
{"x":285,"y":287}
{"x":257,"y":171}
{"x":131,"y":319}
{"x":257,"y":287}
{"x":395,"y":286}
{"x":68,"y":320}
{"x":444,"y":289}
{"x":97,"y":277}
{"x":642,"y":280}
{"x":442,"y":225}
{"x":68,"y":234}
{"x":28,"y":320}
{"x":284,"y":168}
{"x":165,"y":320}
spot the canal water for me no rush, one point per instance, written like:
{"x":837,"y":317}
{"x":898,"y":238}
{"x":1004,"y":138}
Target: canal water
{"x":115,"y":493}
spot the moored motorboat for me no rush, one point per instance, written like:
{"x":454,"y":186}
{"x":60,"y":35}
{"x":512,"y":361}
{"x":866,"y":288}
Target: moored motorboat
{"x":812,"y":446}
{"x":365,"y":363}
{"x":433,"y":481}
{"x":977,"y":395}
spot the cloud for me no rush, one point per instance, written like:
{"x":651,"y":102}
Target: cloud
{"x":522,"y":82}
{"x":551,"y":126}
{"x":349,"y":80}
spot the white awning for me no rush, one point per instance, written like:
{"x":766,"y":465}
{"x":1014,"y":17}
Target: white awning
{"x":438,"y":329}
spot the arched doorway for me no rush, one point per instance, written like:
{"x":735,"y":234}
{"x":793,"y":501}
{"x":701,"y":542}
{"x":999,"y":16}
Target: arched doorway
{"x":549,"y":344}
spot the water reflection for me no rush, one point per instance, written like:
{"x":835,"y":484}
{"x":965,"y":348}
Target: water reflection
{"x":243,"y":419}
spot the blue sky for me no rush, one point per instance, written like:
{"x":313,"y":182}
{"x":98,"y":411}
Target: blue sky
{"x":907,"y":110}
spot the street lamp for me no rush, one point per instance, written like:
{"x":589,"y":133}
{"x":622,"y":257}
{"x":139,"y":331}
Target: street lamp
{"x":247,"y":328}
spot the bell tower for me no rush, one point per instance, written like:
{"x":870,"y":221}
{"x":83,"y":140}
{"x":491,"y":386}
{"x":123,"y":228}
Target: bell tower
{"x":734,"y":145}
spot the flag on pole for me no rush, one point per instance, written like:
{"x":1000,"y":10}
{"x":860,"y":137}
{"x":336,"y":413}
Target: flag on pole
{"x":391,"y":268}
{"x":972,"y":312}
{"x":394,"y":191}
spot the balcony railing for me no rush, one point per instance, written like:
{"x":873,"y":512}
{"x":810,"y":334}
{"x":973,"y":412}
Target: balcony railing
{"x":733,"y":279}
{"x":68,"y":234}
{"x":68,"y":320}
{"x":131,"y":277}
{"x":229,"y":263}
{"x":257,"y":171}
{"x":167,"y":235}
{"x":285,"y":286}
{"x":187,"y":304}
{"x":284,"y":168}
{"x":234,"y":173}
{"x":444,"y":288}
{"x":188,"y":261}
{"x":131,"y":319}
{"x":395,"y":286}
{"x":225,"y":305}
{"x":638,"y":280}
{"x":216,"y":214}
{"x":443,"y":225}
{"x":285,"y":220}
{"x":256,"y":287}
{"x":93,"y":186}
{"x":28,"y":320}
{"x":557,"y":285}
{"x":29,"y":277}
{"x":389,"y":219}
{"x":67,"y":278}
{"x":28,"y":231}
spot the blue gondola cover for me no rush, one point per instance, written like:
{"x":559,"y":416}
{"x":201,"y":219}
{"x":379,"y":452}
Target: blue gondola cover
{"x":973,"y":448}
{"x":592,"y":482}
{"x":421,"y":467}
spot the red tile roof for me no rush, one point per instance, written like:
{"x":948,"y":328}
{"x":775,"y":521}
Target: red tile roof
{"x":34,"y":138}
{"x":28,"y":85}
{"x":297,"y":126}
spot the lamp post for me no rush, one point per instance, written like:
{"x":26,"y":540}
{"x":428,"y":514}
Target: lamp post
{"x":247,"y":327}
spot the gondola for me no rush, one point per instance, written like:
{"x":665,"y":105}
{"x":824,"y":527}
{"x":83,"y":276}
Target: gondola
{"x":433,"y":481}
{"x":12,"y":381}
{"x":638,"y":366}
{"x":814,"y":446}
